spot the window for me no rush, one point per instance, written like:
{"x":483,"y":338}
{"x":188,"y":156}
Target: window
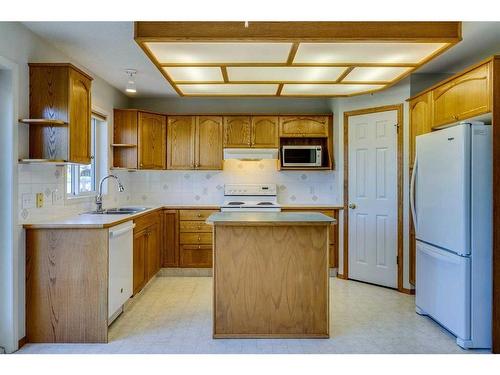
{"x":81,"y":179}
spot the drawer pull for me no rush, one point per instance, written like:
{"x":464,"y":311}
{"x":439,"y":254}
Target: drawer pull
{"x":199,"y":247}
{"x":199,"y":215}
{"x":198,"y":227}
{"x":199,"y":238}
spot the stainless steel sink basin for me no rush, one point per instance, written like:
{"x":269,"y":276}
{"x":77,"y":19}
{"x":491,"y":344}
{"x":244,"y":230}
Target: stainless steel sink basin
{"x":119,"y":211}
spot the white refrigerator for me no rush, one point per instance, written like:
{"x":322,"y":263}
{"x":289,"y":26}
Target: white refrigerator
{"x":451,"y":204}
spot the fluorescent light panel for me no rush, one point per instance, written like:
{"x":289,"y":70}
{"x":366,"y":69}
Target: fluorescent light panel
{"x":388,"y":53}
{"x":212,"y":53}
{"x":195,"y":74}
{"x":375,"y":74}
{"x":228,"y":89}
{"x":280,"y":74}
{"x":326,"y":89}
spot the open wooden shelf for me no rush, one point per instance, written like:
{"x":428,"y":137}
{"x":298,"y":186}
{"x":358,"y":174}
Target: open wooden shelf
{"x":123,"y":145}
{"x":43,"y":161}
{"x":43,"y":121}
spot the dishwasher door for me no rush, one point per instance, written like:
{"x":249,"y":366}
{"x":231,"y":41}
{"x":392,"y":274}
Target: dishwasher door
{"x":120,"y":273}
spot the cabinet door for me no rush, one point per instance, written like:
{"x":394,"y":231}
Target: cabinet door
{"x":152,"y":141}
{"x":153,"y":262}
{"x":140,"y":245}
{"x":180,"y":142}
{"x":208,"y":142}
{"x":170,"y":256}
{"x":464,"y":97}
{"x":125,"y":132}
{"x":237,"y":131}
{"x":265,"y":131}
{"x":79,"y":118}
{"x":304,"y":126}
{"x":420,"y":120}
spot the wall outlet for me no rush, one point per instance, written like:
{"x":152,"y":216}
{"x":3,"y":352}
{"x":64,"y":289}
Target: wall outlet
{"x":28,"y":200}
{"x":39,"y":200}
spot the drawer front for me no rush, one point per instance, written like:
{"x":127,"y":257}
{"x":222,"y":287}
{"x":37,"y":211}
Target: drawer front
{"x":196,"y":238}
{"x":194,"y":226}
{"x":196,"y":256}
{"x":201,"y":215}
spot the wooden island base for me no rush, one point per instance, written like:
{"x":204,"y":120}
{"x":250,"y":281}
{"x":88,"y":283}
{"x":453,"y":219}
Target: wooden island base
{"x":271,"y":279}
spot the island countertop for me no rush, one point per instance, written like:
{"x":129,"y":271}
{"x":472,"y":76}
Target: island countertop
{"x":314,"y":218}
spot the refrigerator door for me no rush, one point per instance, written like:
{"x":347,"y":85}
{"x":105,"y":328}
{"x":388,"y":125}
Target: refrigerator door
{"x":442,"y":189}
{"x":443,"y":288}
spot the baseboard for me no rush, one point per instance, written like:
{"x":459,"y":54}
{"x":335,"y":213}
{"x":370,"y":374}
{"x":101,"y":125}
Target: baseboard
{"x":185,"y":272}
{"x":407,"y":291}
{"x":21,"y":342}
{"x":340,"y":276}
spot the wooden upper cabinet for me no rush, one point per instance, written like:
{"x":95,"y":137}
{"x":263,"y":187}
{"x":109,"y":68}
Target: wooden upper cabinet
{"x":237,"y":131}
{"x":60,"y":91}
{"x":152,"y":141}
{"x":208,"y":142}
{"x":180,"y":142}
{"x":265,"y":132}
{"x":303,"y":126}
{"x":79,"y":117}
{"x":125,"y":135}
{"x":420,"y":120}
{"x":466,"y":96}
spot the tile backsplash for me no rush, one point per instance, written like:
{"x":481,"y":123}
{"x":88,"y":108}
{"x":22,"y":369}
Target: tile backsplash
{"x":207,"y":187}
{"x":170,"y":187}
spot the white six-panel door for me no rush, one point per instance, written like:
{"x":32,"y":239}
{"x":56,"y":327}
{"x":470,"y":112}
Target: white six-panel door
{"x":373,"y":198}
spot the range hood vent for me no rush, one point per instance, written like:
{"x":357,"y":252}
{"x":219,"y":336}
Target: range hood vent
{"x":250,"y":153}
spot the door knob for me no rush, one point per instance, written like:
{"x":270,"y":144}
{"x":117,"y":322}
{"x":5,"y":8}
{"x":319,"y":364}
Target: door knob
{"x":352,"y":205}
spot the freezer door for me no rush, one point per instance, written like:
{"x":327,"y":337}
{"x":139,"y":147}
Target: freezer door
{"x":443,"y":288}
{"x":442,"y":189}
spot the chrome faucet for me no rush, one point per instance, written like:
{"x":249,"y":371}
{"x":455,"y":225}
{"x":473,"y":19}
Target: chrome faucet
{"x":98,"y":198}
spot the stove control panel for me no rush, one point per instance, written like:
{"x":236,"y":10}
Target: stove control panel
{"x":250,"y":189}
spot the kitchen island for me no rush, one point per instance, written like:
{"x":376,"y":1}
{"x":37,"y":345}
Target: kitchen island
{"x":270,"y":274}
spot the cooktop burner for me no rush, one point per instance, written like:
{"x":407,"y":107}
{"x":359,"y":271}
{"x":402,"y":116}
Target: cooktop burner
{"x":235,"y":203}
{"x":265,"y":204}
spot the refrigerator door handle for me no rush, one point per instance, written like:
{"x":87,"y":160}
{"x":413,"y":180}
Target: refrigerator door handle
{"x":412,"y":193}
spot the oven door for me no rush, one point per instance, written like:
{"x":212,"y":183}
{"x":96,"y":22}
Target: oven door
{"x":301,"y":156}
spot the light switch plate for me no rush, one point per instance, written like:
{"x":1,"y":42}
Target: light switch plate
{"x":28,"y":200}
{"x":57,"y":196}
{"x":39,"y":200}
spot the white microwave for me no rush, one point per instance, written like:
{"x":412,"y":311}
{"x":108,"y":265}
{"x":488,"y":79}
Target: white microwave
{"x":301,"y":156}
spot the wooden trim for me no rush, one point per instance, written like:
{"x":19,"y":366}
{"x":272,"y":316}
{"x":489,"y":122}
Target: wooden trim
{"x":284,"y":64}
{"x":99,"y":115}
{"x":316,"y":31}
{"x":293,"y":52}
{"x":345,"y":74}
{"x":62,"y":65}
{"x":225,"y":77}
{"x":280,"y":88}
{"x":22,"y":341}
{"x":407,"y":291}
{"x":400,"y":145}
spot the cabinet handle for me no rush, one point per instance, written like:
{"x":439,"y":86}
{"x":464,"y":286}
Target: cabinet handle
{"x":199,"y":247}
{"x":198,"y":228}
{"x":199,"y":238}
{"x":199,"y":215}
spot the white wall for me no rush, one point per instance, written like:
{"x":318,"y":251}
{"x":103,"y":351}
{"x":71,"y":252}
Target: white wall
{"x":394,"y":95}
{"x":20,"y":45}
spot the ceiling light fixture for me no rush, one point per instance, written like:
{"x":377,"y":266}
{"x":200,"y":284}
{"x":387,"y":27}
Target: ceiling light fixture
{"x":131,"y":87}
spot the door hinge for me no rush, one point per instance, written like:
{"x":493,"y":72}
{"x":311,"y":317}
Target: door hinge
{"x":397,"y":127}
{"x":397,"y":260}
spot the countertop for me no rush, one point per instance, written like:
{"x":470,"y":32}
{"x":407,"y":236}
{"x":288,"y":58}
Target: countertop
{"x":93,"y":221}
{"x":269,"y":217}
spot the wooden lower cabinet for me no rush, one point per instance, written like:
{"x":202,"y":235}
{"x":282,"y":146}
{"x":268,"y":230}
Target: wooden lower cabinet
{"x":195,"y":238}
{"x":147,"y":249}
{"x":170,"y":248}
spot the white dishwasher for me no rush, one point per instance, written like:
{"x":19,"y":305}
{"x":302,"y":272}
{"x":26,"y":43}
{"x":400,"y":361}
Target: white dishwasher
{"x":120,"y":272}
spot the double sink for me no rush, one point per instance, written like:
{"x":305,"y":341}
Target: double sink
{"x":119,"y":211}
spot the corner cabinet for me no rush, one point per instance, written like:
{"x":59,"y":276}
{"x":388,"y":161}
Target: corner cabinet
{"x":139,"y":139}
{"x":59,"y":92}
{"x":194,"y":142}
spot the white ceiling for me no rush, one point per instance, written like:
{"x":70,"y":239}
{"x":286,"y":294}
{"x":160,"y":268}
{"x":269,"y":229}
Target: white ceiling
{"x":108,"y":48}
